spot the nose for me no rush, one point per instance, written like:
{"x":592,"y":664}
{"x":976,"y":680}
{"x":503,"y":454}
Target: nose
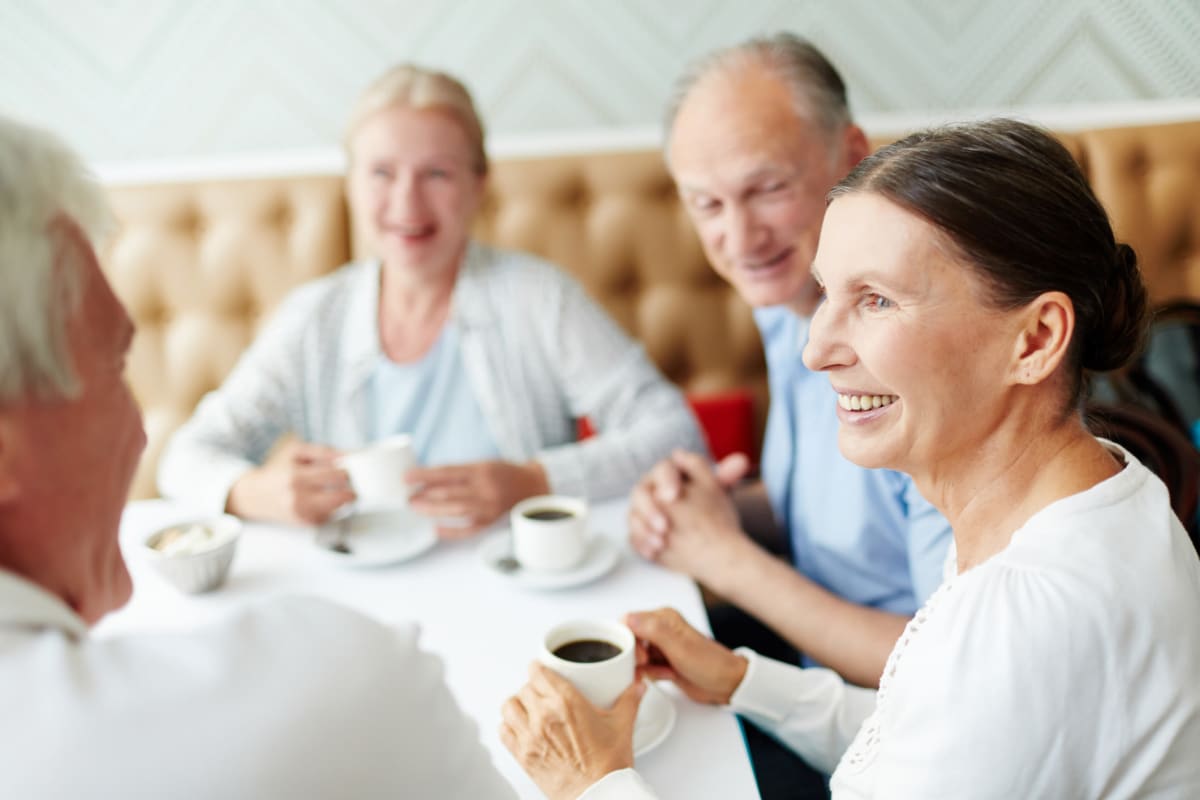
{"x":828,"y":345}
{"x":744,"y":234}
{"x":406,"y":199}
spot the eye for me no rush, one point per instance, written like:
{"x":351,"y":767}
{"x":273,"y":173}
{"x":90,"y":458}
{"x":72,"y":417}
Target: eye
{"x":380,"y":172}
{"x":704,"y":204}
{"x":877,"y":302}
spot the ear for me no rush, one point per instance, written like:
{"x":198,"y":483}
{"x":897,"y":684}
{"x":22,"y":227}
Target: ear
{"x":855,"y":147}
{"x":10,"y":486}
{"x":1043,"y":338}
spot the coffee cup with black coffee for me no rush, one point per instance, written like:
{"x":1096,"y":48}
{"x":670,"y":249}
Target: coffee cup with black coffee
{"x":550,"y":532}
{"x":597,"y":656}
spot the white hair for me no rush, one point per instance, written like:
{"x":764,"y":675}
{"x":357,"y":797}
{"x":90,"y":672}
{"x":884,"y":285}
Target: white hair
{"x":41,"y":181}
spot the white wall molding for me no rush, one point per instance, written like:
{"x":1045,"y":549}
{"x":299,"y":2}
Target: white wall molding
{"x":331,"y":161}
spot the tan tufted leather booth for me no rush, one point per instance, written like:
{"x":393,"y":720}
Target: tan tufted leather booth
{"x":199,"y":264}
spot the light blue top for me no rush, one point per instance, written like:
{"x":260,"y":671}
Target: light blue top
{"x":432,"y":400}
{"x":866,"y":535}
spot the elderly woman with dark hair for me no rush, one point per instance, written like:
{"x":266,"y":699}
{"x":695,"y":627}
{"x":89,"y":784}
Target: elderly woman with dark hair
{"x":972,"y":279}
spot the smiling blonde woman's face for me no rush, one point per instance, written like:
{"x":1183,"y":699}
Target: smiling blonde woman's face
{"x":917,"y":357}
{"x":414,"y":189}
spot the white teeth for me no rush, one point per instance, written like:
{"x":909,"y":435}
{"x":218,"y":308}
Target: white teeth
{"x":865,"y":402}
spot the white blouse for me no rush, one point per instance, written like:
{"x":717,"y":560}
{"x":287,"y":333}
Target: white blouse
{"x":1066,"y":666}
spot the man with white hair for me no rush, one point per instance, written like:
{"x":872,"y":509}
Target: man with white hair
{"x":757,"y":135}
{"x":295,"y":698}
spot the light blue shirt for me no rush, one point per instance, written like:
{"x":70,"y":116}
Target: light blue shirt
{"x":866,"y":535}
{"x":432,"y":400}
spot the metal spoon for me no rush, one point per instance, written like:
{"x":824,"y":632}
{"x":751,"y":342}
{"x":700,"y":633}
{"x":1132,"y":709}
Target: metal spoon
{"x":508,"y":563}
{"x":341,"y":531}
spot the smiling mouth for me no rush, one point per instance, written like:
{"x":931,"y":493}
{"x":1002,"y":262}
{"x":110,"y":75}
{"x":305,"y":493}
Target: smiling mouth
{"x":865,"y":402}
{"x":770,"y":263}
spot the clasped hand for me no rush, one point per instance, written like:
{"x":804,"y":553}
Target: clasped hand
{"x":682,"y":516}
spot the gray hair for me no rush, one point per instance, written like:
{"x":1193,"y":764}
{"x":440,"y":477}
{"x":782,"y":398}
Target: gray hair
{"x":41,"y":181}
{"x":819,"y":91}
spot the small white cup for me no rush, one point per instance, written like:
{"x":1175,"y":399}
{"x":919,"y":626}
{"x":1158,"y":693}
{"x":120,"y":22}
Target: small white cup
{"x":377,"y":472}
{"x":557,"y":541}
{"x":601,"y":682}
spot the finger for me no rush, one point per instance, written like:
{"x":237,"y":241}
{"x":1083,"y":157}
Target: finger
{"x":660,"y":672}
{"x":508,"y":737}
{"x":668,"y":481}
{"x":437,"y":476}
{"x":447,"y":510}
{"x":694,"y":468}
{"x":443,"y":493}
{"x":514,"y":712}
{"x":644,"y":507}
{"x":545,"y":682}
{"x":308,"y":453}
{"x":453,"y":533}
{"x":664,"y":629}
{"x":626,"y":706}
{"x":323,"y":474}
{"x":732,"y":468}
{"x":647,"y":543}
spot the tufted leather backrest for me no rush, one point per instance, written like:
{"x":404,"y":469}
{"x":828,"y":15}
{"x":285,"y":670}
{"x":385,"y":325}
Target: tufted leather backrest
{"x":199,"y":264}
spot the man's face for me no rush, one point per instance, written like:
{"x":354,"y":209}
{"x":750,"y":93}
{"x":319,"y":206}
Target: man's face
{"x":753,"y":175}
{"x":75,"y":458}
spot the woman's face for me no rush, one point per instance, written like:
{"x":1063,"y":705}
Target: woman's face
{"x":414,"y":189}
{"x":918,"y":361}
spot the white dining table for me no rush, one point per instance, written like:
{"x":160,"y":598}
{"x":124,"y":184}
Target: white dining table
{"x":485,"y":626}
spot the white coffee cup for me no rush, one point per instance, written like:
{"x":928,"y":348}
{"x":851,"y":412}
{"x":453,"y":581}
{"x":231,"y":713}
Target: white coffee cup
{"x":557,"y":540}
{"x":601,"y":682}
{"x":377,"y":472}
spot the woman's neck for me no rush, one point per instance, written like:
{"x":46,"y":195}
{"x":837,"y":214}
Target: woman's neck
{"x":412,"y":312}
{"x":991,"y":491}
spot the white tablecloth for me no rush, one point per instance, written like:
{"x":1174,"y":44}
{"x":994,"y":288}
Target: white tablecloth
{"x":484,"y":627}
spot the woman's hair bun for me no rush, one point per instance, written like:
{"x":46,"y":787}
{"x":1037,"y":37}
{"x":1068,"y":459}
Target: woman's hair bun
{"x":1119,"y":330}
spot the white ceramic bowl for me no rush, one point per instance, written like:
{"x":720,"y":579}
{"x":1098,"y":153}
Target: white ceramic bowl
{"x":203,"y":566}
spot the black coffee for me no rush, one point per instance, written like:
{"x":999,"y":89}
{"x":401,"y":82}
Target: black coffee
{"x":547,"y":514}
{"x":587,"y":651}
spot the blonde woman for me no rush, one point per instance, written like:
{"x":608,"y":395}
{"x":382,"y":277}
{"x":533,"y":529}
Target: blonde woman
{"x":485,"y":356}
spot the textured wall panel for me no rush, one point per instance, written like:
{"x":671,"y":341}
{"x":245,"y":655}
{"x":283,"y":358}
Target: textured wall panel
{"x":138,"y":79}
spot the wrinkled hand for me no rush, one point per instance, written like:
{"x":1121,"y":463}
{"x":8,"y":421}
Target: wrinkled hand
{"x":671,"y":649}
{"x":681,"y":514}
{"x":475,"y":495}
{"x":299,"y":485}
{"x":563,"y":741}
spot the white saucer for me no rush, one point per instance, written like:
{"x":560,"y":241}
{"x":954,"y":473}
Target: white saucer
{"x":655,"y":720}
{"x":376,"y":538}
{"x":602,"y":556}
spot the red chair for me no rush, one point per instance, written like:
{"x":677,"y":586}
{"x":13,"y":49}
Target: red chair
{"x":726,"y":418}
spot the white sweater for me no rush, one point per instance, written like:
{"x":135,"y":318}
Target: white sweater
{"x":538,"y":352}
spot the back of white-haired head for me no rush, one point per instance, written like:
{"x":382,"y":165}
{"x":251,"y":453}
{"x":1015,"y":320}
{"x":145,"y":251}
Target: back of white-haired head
{"x":41,"y":181}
